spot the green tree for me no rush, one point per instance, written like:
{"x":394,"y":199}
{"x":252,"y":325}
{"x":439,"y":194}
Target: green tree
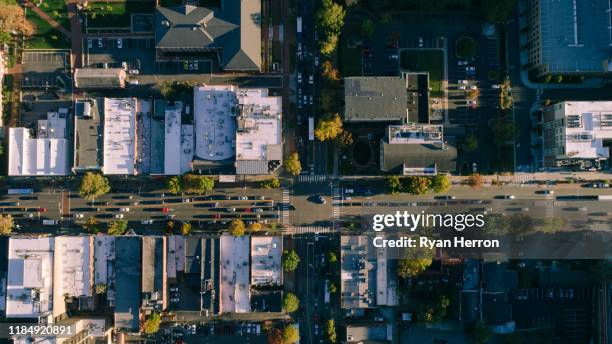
{"x":394,"y":184}
{"x":151,"y":323}
{"x":328,"y":100}
{"x":559,"y":78}
{"x":255,"y":227}
{"x":345,"y":138}
{"x":237,"y":228}
{"x":293,"y":165}
{"x":290,"y":334}
{"x":481,"y":333}
{"x":367,"y":28}
{"x":416,"y":185}
{"x":410,"y":267}
{"x":290,"y":303}
{"x":332,"y":288}
{"x":330,"y":331}
{"x":551,"y":225}
{"x":290,"y":260}
{"x":275,"y":336}
{"x":328,"y":72}
{"x":331,"y":257}
{"x":174,"y":185}
{"x":5,"y":37}
{"x":6,"y":224}
{"x":328,"y":45}
{"x":547,"y":78}
{"x":328,"y":127}
{"x":93,"y":185}
{"x":440,"y":183}
{"x":330,"y":16}
{"x":192,"y":183}
{"x":498,"y":11}
{"x":91,"y":225}
{"x":186,"y":228}
{"x":470,"y":143}
{"x":272,"y":183}
{"x":118,"y":227}
{"x":100,"y":288}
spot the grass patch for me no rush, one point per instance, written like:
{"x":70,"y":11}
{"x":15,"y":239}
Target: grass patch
{"x":115,"y":14}
{"x":349,"y":60}
{"x":8,"y":2}
{"x":46,"y":36}
{"x":56,"y":9}
{"x":431,"y":61}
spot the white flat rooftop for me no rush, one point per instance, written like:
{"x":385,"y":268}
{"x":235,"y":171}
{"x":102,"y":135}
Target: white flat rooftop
{"x":235,"y":290}
{"x":215,"y":124}
{"x":259,"y":123}
{"x":266,"y":254}
{"x":186,"y":147}
{"x":119,"y":135}
{"x":588,"y":124}
{"x":172,"y":140}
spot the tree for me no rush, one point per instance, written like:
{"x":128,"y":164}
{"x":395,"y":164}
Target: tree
{"x":367,"y":28}
{"x":255,"y":227}
{"x":331,"y":257}
{"x":272,"y":183}
{"x":328,"y":99}
{"x":559,"y":78}
{"x":237,"y":228}
{"x":345,"y":139}
{"x":410,"y":267}
{"x":330,"y":331}
{"x":416,"y":185}
{"x":13,"y":20}
{"x":186,"y":228}
{"x":329,"y":72}
{"x":91,"y":225}
{"x":328,"y":127}
{"x":93,"y":185}
{"x":547,"y":78}
{"x":100,"y":288}
{"x":6,"y":224}
{"x":275,"y":336}
{"x":290,"y":260}
{"x":481,"y":333}
{"x":290,"y":303}
{"x":170,"y":227}
{"x":174,"y":185}
{"x":293,"y":165}
{"x":328,"y":45}
{"x":503,"y":131}
{"x":118,"y":227}
{"x":330,"y":16}
{"x":192,"y":183}
{"x":551,"y":225}
{"x":332,"y":288}
{"x":473,"y":94}
{"x":476,"y":181}
{"x":466,"y":47}
{"x":440,"y":183}
{"x":5,"y":37}
{"x":470,"y":143}
{"x":498,"y":11}
{"x":394,"y":184}
{"x":151,"y":323}
{"x":290,"y":334}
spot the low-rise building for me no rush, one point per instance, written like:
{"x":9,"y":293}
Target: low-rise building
{"x":234,"y":290}
{"x":266,"y":252}
{"x":43,"y":155}
{"x":127,"y":284}
{"x":154,"y":279}
{"x":119,"y":149}
{"x":577,"y":135}
{"x":99,"y":78}
{"x":369,"y":333}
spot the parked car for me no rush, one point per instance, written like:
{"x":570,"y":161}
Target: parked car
{"x":321,"y":199}
{"x":125,"y":210}
{"x":119,"y":43}
{"x":79,"y":216}
{"x":118,"y":216}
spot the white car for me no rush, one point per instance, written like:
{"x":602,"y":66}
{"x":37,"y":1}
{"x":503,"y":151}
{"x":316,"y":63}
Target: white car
{"x":118,"y":216}
{"x":119,"y":43}
{"x":100,"y":43}
{"x":316,"y":61}
{"x":465,"y":82}
{"x":186,"y":200}
{"x":79,"y":216}
{"x":496,"y":86}
{"x":311,"y":101}
{"x":299,"y":78}
{"x":473,"y":87}
{"x":462,"y":63}
{"x":89,"y":43}
{"x":124,"y":210}
{"x":470,"y":68}
{"x":420,"y":42}
{"x":311,"y":79}
{"x":461,"y":87}
{"x":243,"y":198}
{"x":146,"y":222}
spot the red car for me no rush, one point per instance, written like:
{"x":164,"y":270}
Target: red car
{"x":43,"y":210}
{"x":216,"y":216}
{"x":165,"y":210}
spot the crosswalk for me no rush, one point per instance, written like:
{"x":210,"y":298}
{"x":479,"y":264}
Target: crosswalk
{"x":285,"y":207}
{"x":523,"y":177}
{"x":539,"y":93}
{"x":550,"y":209}
{"x":311,"y":230}
{"x":312,"y":178}
{"x":336,"y":202}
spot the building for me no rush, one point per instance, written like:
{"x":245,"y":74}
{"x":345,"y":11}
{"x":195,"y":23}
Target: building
{"x":29,"y":290}
{"x":45,"y":155}
{"x":119,"y":147}
{"x":99,"y":78}
{"x":387,"y":99}
{"x":128,"y":279}
{"x":104,"y":264}
{"x":154,"y":279}
{"x":234,"y":291}
{"x":88,"y":142}
{"x":73,"y":275}
{"x":244,"y":123}
{"x":577,"y":135}
{"x":375,"y":333}
{"x":172,"y":139}
{"x":230,"y":34}
{"x":417,"y":149}
{"x":266,"y":252}
{"x":569,"y":37}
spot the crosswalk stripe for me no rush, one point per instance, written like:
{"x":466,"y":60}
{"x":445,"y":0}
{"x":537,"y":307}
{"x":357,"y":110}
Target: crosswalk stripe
{"x":311,"y":229}
{"x":310,"y":178}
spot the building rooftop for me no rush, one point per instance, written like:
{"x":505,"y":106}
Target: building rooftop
{"x":375,"y":99}
{"x":576,"y":36}
{"x":128,"y":263}
{"x":73,"y":270}
{"x":88,"y":134}
{"x":45,"y":155}
{"x":235,"y":290}
{"x":187,"y":151}
{"x":153,"y":272}
{"x":361,"y":333}
{"x":119,"y":136}
{"x":172,"y":141}
{"x":99,"y":78}
{"x":588,"y":124}
{"x":233,"y":31}
{"x":215,"y":124}
{"x":266,"y":252}
{"x":30,"y":277}
{"x":358,"y":272}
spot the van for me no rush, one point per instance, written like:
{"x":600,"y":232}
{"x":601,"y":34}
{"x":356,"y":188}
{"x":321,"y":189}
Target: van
{"x":49,"y":222}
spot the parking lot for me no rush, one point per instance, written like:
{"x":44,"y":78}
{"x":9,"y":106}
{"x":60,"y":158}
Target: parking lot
{"x":46,"y":70}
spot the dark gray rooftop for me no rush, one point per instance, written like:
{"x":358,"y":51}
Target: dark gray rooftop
{"x":99,"y":78}
{"x":233,"y":31}
{"x":579,"y":41}
{"x":127,"y":286}
{"x":375,"y":99}
{"x":396,"y":155}
{"x":153,"y":264}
